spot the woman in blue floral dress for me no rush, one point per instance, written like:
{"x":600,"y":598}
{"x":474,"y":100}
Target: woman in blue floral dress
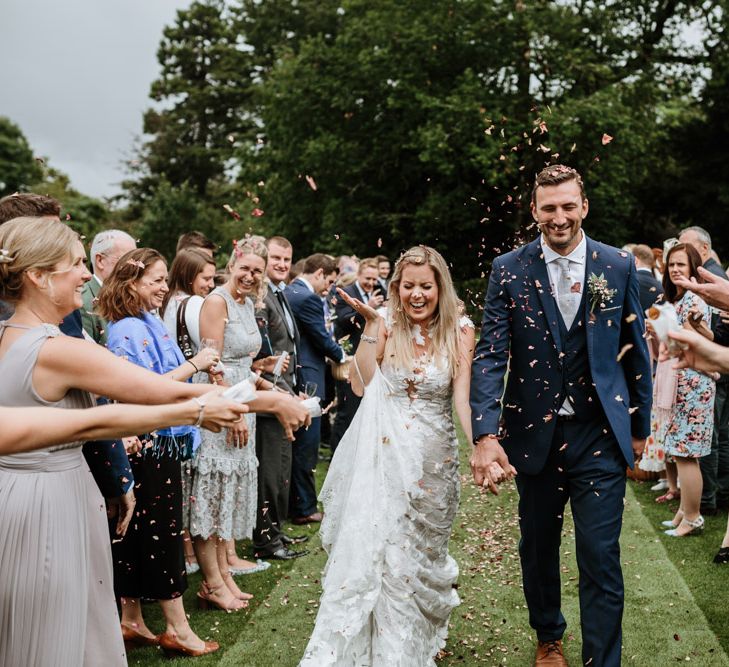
{"x":690,"y":423}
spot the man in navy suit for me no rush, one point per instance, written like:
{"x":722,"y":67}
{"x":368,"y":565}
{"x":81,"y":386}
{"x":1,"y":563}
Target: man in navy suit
{"x":563,"y":313}
{"x":305,"y":295}
{"x":651,"y":291}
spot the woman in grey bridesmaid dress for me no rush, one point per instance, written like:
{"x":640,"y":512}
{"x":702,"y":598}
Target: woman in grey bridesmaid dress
{"x":57,"y":604}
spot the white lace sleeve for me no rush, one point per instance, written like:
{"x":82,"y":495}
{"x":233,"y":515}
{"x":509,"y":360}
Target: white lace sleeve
{"x":466,"y":321}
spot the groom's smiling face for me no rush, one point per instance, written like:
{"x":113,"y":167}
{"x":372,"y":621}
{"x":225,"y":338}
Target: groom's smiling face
{"x":559,"y":211}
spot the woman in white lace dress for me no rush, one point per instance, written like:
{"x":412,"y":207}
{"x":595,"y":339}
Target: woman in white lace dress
{"x":392,"y":490}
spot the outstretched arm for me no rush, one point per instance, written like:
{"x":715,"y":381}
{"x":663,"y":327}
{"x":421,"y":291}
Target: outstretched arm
{"x":368,"y":353}
{"x":25,"y":429}
{"x":714,"y":290}
{"x":462,"y":380}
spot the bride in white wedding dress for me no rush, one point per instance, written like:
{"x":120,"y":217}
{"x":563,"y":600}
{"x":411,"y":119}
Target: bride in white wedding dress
{"x":392,"y":489}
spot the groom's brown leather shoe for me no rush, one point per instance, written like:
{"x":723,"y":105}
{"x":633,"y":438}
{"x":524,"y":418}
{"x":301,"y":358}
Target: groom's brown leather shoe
{"x":549,"y":654}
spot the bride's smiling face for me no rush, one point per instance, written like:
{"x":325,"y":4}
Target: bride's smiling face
{"x":418,"y":293}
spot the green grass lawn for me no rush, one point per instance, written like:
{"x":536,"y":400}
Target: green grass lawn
{"x":676,"y":600}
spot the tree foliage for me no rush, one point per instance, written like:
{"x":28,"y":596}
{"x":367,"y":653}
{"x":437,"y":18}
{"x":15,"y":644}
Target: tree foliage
{"x":18,"y":166}
{"x":370,"y":125}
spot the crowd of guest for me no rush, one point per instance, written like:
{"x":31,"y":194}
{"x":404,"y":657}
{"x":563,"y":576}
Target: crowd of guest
{"x":177,"y":496}
{"x":195,"y":479}
{"x":689,"y":443}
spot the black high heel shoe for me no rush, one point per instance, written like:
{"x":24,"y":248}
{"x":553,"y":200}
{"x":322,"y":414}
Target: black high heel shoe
{"x":722,"y":556}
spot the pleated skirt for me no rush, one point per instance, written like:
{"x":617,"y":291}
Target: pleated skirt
{"x":57,"y":606}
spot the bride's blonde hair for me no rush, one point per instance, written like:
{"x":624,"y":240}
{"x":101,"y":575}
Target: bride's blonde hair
{"x":444,"y":330}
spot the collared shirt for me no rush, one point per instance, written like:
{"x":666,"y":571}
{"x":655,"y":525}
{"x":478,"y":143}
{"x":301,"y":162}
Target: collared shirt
{"x":279,"y":289}
{"x":362,"y":292}
{"x":308,"y":284}
{"x":577,"y":264}
{"x":98,"y":280}
{"x":577,"y":269}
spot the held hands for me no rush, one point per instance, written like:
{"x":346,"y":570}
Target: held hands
{"x":490,"y":465}
{"x":364,"y":309}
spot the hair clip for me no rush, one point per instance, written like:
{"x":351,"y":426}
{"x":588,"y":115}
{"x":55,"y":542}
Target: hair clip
{"x":136,"y":262}
{"x":5,"y":256}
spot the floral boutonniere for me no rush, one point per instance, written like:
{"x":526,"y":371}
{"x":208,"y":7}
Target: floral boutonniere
{"x":600,"y":293}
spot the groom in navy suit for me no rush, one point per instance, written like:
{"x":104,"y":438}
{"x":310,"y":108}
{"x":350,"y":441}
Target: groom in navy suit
{"x":563,"y":315}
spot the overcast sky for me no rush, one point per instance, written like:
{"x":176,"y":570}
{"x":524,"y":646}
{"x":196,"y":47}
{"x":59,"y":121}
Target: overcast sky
{"x":75,"y":77}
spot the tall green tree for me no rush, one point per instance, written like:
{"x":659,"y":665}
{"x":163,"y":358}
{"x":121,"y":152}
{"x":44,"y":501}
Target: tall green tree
{"x":368,"y":125}
{"x":425,"y":121}
{"x":18,"y":166}
{"x":201,"y":109}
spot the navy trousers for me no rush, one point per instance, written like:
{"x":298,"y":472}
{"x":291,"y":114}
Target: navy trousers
{"x":302,"y":499}
{"x":586,"y":467}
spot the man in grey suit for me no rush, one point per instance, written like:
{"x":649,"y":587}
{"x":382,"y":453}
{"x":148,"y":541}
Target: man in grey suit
{"x":272,"y":448}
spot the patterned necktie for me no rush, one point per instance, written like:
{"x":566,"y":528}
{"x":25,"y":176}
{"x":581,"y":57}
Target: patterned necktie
{"x":567,"y":300}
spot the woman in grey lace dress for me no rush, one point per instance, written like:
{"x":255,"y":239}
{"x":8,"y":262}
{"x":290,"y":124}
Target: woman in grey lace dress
{"x":392,"y":489}
{"x":224,"y":496}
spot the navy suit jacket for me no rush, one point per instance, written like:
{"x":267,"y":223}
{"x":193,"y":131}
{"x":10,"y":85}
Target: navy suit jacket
{"x":315,"y":343}
{"x":650,"y":289}
{"x":520,"y":332}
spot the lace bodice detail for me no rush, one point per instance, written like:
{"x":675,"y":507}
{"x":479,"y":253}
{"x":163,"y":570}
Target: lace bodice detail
{"x":426,"y":387}
{"x":242,"y":338}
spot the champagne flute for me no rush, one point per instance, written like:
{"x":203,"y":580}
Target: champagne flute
{"x":215,"y":345}
{"x":310,"y":389}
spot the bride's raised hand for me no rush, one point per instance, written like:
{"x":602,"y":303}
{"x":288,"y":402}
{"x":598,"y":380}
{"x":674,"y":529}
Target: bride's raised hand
{"x":367,"y":311}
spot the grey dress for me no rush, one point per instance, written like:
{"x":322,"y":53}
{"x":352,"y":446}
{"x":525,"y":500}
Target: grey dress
{"x":225,"y":481}
{"x":57,"y":604}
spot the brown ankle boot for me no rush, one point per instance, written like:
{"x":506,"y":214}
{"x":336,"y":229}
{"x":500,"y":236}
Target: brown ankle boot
{"x":549,"y":654}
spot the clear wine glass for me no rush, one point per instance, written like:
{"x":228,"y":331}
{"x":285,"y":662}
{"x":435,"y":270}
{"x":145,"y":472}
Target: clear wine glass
{"x":215,"y":345}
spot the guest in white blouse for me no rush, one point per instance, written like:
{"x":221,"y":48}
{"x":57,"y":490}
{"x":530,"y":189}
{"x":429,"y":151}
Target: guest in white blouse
{"x":192,"y":276}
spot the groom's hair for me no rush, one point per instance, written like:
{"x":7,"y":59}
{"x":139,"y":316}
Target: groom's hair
{"x":556,"y":174}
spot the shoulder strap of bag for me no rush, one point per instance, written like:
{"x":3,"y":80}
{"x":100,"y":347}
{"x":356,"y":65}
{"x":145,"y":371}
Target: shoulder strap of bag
{"x":183,"y":335}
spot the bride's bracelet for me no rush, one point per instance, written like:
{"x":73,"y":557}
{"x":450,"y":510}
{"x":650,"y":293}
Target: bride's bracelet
{"x":368,"y":339}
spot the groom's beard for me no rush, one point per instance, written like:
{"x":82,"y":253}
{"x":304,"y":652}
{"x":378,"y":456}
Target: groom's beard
{"x":548,"y":230}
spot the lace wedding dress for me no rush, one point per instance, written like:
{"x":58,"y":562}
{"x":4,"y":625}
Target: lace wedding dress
{"x":390,"y":498}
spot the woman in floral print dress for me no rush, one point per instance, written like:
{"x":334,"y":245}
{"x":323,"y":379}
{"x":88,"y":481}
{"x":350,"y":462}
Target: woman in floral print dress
{"x":690,"y":424}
